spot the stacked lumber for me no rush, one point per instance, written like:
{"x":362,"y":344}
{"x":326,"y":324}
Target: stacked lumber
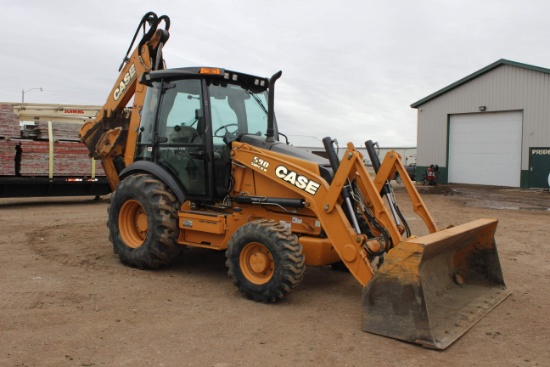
{"x":9,"y":122}
{"x":69,"y":159}
{"x":7,"y":157}
{"x":26,"y":157}
{"x":61,"y":130}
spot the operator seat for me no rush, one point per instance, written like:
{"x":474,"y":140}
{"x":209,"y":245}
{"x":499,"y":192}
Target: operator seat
{"x":184,"y":135}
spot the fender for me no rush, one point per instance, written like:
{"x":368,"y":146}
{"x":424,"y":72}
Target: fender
{"x":158,"y":172}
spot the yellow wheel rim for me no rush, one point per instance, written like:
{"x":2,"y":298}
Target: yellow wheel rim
{"x":257,"y":263}
{"x":132,"y":223}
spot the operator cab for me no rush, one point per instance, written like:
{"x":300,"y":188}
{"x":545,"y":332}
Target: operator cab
{"x":190,"y":117}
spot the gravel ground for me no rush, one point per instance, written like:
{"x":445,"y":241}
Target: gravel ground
{"x":66,"y":300}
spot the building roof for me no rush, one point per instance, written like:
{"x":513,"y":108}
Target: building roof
{"x":475,"y":75}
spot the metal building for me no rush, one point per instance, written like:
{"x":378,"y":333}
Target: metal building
{"x":490,"y":128}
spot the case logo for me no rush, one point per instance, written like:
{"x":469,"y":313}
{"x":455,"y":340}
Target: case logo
{"x":300,"y":181}
{"x":128,"y":78}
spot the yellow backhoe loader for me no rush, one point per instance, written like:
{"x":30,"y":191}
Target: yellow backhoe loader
{"x":198,"y":162}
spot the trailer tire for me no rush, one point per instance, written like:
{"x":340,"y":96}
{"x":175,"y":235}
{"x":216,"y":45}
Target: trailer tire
{"x":265,"y":261}
{"x":143,"y":222}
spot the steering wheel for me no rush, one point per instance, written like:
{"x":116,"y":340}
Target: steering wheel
{"x":227,"y":133}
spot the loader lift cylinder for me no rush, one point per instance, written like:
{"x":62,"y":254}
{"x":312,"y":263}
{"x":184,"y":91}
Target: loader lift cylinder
{"x":335,"y":163}
{"x":386,"y":189}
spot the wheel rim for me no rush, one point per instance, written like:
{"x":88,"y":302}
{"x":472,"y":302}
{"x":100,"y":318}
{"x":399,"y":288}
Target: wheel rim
{"x":257,"y":263}
{"x":133,"y":224}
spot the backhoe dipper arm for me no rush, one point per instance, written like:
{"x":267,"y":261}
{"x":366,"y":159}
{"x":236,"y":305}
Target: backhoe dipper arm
{"x":113,"y":132}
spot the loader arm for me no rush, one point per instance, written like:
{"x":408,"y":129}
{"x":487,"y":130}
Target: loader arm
{"x":324,"y":200}
{"x":111,"y":136}
{"x":431,"y":289}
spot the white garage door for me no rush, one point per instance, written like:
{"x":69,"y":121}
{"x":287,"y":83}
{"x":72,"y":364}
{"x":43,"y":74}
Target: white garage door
{"x":485,"y":148}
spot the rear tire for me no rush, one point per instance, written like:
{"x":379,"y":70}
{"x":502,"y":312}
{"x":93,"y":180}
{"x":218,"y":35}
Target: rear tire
{"x":265,"y":260}
{"x":143,"y":222}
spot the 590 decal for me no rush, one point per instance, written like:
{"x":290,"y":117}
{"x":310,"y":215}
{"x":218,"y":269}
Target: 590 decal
{"x":259,"y":163}
{"x":301,"y":182}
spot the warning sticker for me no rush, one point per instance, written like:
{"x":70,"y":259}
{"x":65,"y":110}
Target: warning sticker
{"x":285,"y":224}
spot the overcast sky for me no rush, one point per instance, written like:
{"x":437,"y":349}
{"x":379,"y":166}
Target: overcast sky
{"x":351,"y":69}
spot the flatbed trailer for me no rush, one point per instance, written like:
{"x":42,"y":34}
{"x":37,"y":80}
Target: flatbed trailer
{"x":34,"y":145}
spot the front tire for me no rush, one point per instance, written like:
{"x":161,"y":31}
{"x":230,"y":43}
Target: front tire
{"x":265,"y":260}
{"x":143,"y":222}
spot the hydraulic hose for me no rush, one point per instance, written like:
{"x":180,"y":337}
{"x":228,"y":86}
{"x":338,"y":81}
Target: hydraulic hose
{"x":153,"y":21}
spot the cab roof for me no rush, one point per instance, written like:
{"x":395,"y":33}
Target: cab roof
{"x":251,"y":81}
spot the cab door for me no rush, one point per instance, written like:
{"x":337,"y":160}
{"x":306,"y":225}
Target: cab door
{"x":181,"y":138}
{"x":234,"y":111}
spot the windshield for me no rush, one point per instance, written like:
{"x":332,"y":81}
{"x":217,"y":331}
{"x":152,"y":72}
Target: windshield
{"x":237,"y":110}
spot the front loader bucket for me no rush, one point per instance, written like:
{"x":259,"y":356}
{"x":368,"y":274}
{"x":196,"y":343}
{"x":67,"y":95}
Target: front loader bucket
{"x":432,"y":289}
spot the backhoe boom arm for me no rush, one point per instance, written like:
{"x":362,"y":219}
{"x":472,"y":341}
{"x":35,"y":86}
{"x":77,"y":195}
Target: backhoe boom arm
{"x":113,"y":132}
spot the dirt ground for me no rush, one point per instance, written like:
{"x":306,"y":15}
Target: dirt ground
{"x":66,"y":300}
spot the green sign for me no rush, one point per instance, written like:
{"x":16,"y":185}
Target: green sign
{"x":539,"y":167}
